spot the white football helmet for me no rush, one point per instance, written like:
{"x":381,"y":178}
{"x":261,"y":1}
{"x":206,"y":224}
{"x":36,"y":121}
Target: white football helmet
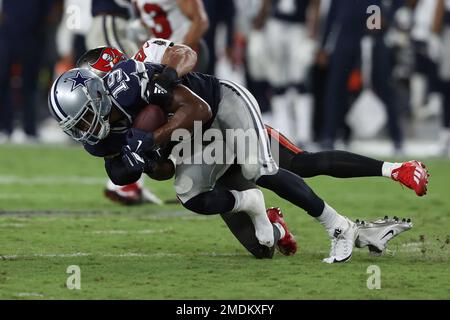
{"x":80,"y":103}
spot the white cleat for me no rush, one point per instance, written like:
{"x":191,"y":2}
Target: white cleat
{"x":376,"y":235}
{"x":342,"y":242}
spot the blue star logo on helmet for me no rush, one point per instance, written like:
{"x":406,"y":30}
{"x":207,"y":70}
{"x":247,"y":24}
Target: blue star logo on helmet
{"x":78,"y":81}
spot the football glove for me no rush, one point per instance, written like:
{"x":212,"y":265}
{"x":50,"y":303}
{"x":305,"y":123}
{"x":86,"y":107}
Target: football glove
{"x":161,"y":88}
{"x":136,"y":164}
{"x":140,"y":142}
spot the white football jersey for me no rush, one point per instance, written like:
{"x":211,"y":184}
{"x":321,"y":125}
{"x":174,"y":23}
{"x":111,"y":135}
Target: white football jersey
{"x":153,"y":50}
{"x":164,"y":18}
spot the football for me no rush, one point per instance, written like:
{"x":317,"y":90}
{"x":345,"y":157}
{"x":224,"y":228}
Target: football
{"x":150,"y":118}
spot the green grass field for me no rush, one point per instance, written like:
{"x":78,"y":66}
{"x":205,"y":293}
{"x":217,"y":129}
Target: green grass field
{"x":53,"y":215}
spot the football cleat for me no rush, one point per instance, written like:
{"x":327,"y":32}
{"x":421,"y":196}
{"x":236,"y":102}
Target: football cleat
{"x":413,"y":175}
{"x":287,"y":245}
{"x":342,"y":243}
{"x":376,"y":235}
{"x":132,"y":194}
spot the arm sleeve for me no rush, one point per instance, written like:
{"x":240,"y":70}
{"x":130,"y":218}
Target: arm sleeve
{"x":118,"y":173}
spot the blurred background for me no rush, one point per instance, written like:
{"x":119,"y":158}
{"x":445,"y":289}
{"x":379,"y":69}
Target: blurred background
{"x":360,"y":75}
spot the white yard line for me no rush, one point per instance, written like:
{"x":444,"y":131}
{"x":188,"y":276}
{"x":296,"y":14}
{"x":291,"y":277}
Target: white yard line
{"x":82,"y":254}
{"x":118,"y":255}
{"x":142,"y":255}
{"x":215,"y":254}
{"x":28,"y":294}
{"x":51,"y":180}
{"x":128,"y":232}
{"x":12,"y":225}
{"x":45,"y":255}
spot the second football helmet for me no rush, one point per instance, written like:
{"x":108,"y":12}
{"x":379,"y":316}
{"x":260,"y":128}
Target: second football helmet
{"x":101,"y":60}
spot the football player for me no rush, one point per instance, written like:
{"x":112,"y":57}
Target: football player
{"x":180,"y":21}
{"x":291,"y":57}
{"x":101,"y":118}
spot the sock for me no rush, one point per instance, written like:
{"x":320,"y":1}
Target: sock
{"x":278,"y":232}
{"x":330,"y":219}
{"x":140,"y":182}
{"x":252,"y":202}
{"x":238,"y":201}
{"x":389,"y":167}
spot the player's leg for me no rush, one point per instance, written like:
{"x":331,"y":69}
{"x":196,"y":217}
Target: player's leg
{"x":31,"y":64}
{"x":245,"y":115}
{"x":341,"y":164}
{"x":240,"y":223}
{"x":6,"y":110}
{"x":301,"y":55}
{"x":221,"y":200}
{"x":384,"y":88}
{"x":342,"y":231}
{"x":278,"y":71}
{"x":195,"y":185}
{"x":342,"y":61}
{"x":242,"y":227}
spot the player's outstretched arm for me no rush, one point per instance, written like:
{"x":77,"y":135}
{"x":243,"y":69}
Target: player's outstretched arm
{"x":187,"y":108}
{"x":181,"y":58}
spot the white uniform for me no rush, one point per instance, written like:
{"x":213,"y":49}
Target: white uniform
{"x":290,"y":57}
{"x":164,"y":18}
{"x":291,"y":54}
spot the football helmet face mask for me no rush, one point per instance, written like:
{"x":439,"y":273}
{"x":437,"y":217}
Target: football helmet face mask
{"x":80,"y":103}
{"x":101,"y":60}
